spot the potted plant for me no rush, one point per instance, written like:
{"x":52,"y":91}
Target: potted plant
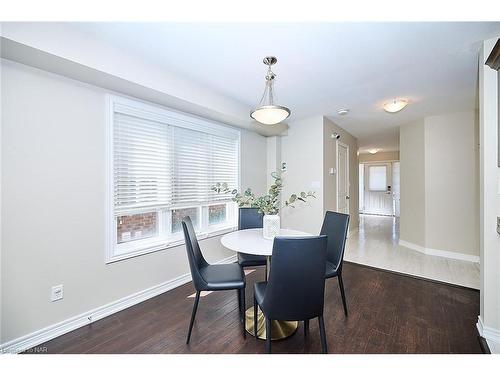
{"x":268,"y":204}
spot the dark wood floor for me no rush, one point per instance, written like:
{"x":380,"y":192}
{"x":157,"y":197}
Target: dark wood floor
{"x":388,"y":313}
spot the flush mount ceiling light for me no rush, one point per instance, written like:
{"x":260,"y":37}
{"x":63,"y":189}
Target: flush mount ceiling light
{"x":395,"y":105}
{"x":343,"y":111}
{"x":373,"y":151}
{"x":267,"y":112}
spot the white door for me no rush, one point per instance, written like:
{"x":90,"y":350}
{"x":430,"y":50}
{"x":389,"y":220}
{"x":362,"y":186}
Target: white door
{"x":342,"y":178}
{"x":396,"y":196}
{"x":378,"y":195}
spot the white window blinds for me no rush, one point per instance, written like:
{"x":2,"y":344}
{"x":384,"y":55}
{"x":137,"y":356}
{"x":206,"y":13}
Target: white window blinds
{"x":377,"y":178}
{"x":164,"y":159}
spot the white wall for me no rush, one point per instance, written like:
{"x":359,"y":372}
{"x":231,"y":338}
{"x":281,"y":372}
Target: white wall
{"x":273,"y":158}
{"x":53,"y":208}
{"x":452,"y":182}
{"x":489,"y":320}
{"x":1,"y":273}
{"x":439,"y":184}
{"x":65,"y":41}
{"x":379,"y":156}
{"x":412,"y":180}
{"x":302,"y":151}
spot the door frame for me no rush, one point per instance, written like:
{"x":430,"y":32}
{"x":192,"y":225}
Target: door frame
{"x":337,"y":143}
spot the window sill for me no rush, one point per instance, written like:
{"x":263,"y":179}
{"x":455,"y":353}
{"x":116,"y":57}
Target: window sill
{"x":111,"y":258}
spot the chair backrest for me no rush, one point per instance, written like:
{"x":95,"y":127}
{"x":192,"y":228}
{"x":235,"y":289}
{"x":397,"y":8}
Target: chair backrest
{"x":296,"y":286}
{"x":249,"y":218}
{"x":195,"y":257}
{"x":335,"y":227}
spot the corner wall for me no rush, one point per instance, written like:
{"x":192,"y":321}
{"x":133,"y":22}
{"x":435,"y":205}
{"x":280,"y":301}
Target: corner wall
{"x":489,"y":319}
{"x":439,"y":185}
{"x":330,"y":161}
{"x":53,"y":204}
{"x":309,"y":153}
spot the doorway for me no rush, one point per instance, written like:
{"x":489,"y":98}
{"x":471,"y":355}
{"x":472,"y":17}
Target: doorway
{"x":379,"y":188}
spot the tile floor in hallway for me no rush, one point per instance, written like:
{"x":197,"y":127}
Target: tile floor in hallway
{"x":376,"y":244}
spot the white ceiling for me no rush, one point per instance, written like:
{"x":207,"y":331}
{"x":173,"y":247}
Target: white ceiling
{"x":322,"y":67}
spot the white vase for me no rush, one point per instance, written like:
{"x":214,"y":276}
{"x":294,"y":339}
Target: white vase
{"x":271,"y":226}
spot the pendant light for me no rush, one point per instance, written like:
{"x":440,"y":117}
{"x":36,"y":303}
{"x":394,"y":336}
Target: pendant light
{"x":267,"y":112}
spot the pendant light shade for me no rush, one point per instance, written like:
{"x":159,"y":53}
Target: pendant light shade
{"x":270,"y":114}
{"x":267,"y":112}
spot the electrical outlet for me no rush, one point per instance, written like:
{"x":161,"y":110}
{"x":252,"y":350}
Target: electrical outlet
{"x":56,"y":293}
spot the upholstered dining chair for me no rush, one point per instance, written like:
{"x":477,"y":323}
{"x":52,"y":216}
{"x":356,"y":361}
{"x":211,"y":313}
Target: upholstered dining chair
{"x":296,"y":285}
{"x":335,"y":227}
{"x":211,"y":277}
{"x":250,"y":218}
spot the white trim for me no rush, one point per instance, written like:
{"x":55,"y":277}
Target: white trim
{"x":491,"y":335}
{"x":48,"y":333}
{"x":440,"y":253}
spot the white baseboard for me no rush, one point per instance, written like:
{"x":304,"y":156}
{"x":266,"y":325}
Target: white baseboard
{"x":491,"y":335}
{"x":440,"y":253}
{"x":48,"y":333}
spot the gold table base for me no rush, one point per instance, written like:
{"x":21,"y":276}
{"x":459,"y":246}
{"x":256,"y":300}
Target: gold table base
{"x":280,"y":328}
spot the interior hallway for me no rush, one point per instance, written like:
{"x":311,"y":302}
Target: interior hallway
{"x":376,"y":244}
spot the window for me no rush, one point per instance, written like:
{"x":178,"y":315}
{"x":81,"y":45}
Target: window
{"x":162,"y":165}
{"x":377,"y":178}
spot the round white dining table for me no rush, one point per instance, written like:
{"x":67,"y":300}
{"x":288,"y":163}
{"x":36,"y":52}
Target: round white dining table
{"x":252,"y":241}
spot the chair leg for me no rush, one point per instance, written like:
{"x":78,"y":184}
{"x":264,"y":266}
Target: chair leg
{"x":306,"y":327}
{"x":322,"y":333}
{"x":243,"y":318}
{"x":342,"y":293}
{"x":193,"y":314}
{"x":239,"y":302}
{"x":255,"y":308}
{"x":268,"y":335}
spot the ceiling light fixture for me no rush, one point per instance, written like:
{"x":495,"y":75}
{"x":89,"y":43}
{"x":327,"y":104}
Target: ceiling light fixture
{"x":343,"y":111}
{"x":395,"y":105}
{"x":267,"y":112}
{"x":373,"y":151}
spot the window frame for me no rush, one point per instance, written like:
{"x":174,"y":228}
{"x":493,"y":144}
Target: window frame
{"x":165,"y":239}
